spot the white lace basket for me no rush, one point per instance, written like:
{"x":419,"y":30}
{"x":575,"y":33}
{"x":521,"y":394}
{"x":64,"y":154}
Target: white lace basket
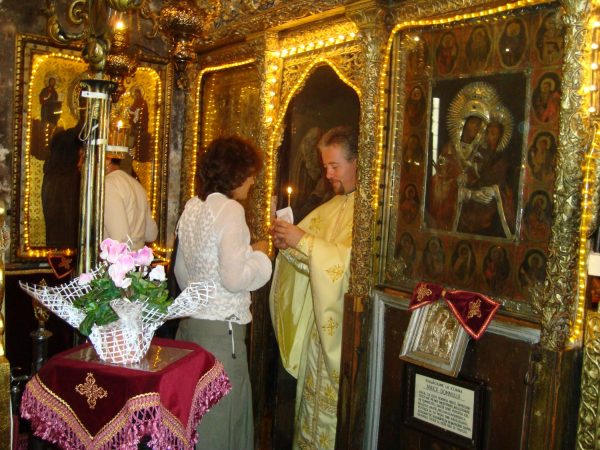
{"x":126,"y":340}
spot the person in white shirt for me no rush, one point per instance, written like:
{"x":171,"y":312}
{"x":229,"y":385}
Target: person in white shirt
{"x":127,"y":215}
{"x":214,"y":244}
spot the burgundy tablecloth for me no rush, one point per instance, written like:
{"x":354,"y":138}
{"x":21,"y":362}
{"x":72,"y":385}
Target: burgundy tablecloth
{"x":88,"y":405}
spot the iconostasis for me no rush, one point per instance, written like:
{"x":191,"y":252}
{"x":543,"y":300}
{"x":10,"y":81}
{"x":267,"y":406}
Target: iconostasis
{"x":474,"y":154}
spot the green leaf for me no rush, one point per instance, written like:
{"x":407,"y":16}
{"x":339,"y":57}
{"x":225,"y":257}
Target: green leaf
{"x":85,"y":327}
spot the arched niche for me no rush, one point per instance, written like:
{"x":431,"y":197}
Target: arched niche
{"x":322,"y":100}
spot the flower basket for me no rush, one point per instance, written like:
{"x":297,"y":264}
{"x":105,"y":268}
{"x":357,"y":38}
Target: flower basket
{"x":122,"y":328}
{"x":126,"y":340}
{"x":118,"y":343}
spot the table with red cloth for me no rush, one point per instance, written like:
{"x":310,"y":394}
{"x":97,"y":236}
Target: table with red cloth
{"x":78,"y":402}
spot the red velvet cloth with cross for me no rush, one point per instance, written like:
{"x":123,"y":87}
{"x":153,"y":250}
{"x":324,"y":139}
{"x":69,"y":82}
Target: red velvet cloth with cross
{"x":474,"y":311}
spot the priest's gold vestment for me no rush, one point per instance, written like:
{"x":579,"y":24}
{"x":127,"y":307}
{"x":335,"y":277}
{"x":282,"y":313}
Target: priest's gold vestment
{"x":306,"y":304}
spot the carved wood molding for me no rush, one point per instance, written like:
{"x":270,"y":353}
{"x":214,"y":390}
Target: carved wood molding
{"x":589,"y":422}
{"x":5,"y":412}
{"x":557,"y":301}
{"x":241,"y":18}
{"x":370,"y":20}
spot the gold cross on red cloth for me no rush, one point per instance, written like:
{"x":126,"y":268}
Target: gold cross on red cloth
{"x":474,"y":309}
{"x":91,"y":390}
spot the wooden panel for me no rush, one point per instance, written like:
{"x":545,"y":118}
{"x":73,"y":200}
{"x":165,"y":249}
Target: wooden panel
{"x":500,"y":362}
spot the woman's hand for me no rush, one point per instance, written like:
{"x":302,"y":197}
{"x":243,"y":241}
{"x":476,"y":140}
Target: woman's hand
{"x":261,"y":246}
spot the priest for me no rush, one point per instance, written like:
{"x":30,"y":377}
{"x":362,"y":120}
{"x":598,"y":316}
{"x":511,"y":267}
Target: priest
{"x":307,"y":294}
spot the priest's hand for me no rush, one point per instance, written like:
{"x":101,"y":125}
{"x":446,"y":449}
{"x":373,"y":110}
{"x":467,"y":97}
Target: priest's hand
{"x":285,"y":234}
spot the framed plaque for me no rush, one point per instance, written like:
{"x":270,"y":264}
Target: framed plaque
{"x":449,"y":408}
{"x":434,"y":339}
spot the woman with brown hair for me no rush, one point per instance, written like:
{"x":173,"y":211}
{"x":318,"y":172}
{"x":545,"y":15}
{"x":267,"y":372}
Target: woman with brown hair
{"x":214,"y":244}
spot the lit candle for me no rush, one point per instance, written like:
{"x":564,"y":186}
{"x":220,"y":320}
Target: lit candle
{"x":119,"y":126}
{"x":289,"y":191}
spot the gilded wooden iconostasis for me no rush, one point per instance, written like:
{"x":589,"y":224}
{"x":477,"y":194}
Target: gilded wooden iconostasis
{"x":444,"y":76}
{"x":531,"y":65}
{"x":525,"y":62}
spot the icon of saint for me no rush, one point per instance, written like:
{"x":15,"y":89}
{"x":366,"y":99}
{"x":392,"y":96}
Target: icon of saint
{"x":537,"y":216}
{"x":463,"y":261}
{"x":532,"y":271}
{"x":138,"y":127}
{"x":496,"y":268}
{"x":513,"y":42}
{"x":447,"y":53}
{"x":541,"y":156}
{"x":409,"y":203}
{"x":434,"y":258}
{"x":546,"y":98}
{"x":415,"y":106}
{"x":50,"y":106}
{"x":550,"y":39}
{"x":468,"y":189}
{"x":478,"y":48}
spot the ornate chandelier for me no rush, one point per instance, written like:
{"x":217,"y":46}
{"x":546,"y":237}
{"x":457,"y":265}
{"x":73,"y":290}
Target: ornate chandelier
{"x":100,"y":26}
{"x":183,"y":22}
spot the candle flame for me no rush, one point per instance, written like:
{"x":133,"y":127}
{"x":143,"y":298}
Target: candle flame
{"x":289,"y":190}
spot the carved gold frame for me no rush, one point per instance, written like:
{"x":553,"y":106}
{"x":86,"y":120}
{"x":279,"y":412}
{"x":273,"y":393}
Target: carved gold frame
{"x":565,"y":231}
{"x":203,"y":123}
{"x":559,"y":304}
{"x":299,"y":54}
{"x":33,"y":53}
{"x":391,"y":268}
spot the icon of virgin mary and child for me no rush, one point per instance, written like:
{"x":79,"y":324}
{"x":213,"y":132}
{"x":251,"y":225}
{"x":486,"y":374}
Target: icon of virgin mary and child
{"x":467,"y":189}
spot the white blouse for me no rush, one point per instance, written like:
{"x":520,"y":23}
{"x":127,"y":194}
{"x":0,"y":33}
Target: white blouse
{"x":214,"y":243}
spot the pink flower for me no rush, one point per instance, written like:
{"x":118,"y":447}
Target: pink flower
{"x":143,"y":257}
{"x":122,"y":283}
{"x":119,"y":269}
{"x":111,"y":250}
{"x":85,"y":278}
{"x":157,"y":274}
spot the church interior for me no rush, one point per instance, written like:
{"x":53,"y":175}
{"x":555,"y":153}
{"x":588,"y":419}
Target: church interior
{"x":471,"y":315}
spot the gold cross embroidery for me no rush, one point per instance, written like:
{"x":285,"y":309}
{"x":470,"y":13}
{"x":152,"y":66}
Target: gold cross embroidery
{"x":330,"y":327}
{"x":423,"y":292}
{"x":91,"y":390}
{"x":315,"y":224}
{"x":474,"y":309}
{"x":335,"y":272}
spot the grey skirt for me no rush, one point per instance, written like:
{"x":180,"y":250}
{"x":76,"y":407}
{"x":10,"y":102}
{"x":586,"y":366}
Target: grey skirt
{"x":228,"y":425}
